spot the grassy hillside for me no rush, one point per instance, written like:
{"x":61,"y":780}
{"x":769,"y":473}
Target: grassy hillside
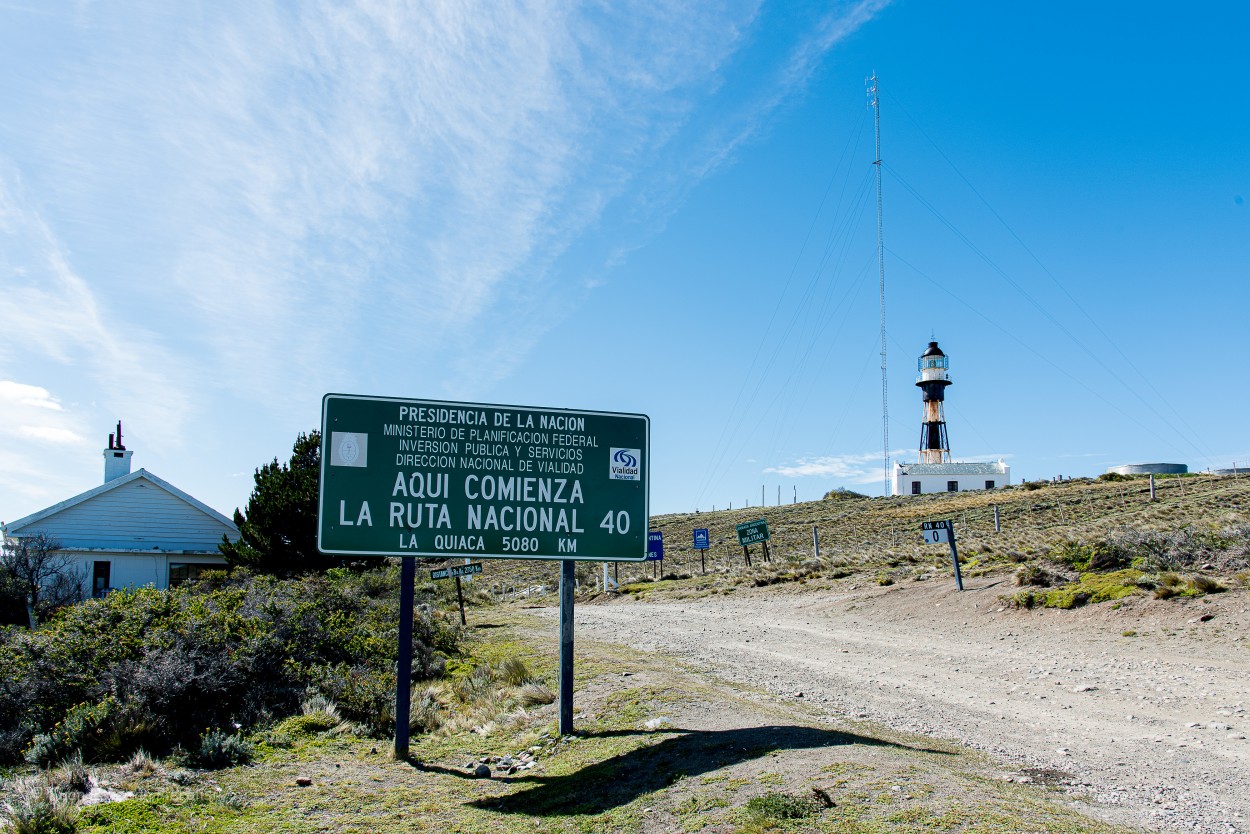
{"x":1199,"y":515}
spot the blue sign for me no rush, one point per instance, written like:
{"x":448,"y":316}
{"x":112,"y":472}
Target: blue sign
{"x":701,"y":539}
{"x":655,"y":546}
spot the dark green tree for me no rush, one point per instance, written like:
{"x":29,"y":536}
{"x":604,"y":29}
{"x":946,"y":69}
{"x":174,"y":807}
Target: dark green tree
{"x":278,"y":533}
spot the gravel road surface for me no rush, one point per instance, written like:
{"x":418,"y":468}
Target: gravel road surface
{"x":1143,"y":708}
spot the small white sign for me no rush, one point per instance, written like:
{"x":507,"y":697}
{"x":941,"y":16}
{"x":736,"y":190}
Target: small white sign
{"x":935,"y":532}
{"x":624,"y":464}
{"x":349,"y":448}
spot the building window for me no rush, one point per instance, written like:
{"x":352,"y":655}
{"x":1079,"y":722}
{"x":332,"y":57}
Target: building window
{"x":100,"y":574}
{"x":989,"y":484}
{"x":915,"y":487}
{"x":952,"y":486}
{"x":183,"y":572}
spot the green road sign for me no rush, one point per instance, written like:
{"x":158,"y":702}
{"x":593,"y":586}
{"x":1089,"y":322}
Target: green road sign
{"x":429,"y":478}
{"x":458,"y":570}
{"x":752,"y":532}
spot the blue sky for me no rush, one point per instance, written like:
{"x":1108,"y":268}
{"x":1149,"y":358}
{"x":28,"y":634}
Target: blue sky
{"x":211,"y":214}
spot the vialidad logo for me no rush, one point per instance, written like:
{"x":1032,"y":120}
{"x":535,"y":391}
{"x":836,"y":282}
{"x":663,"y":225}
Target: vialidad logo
{"x":623,"y":464}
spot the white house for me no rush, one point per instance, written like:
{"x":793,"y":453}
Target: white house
{"x":954,"y":476}
{"x":135,"y":529}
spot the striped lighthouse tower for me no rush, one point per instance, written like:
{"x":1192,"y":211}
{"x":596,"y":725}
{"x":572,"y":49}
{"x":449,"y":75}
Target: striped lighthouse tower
{"x":934,"y":367}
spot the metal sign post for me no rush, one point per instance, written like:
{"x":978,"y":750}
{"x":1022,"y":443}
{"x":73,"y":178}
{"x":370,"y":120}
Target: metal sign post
{"x":936,"y":532}
{"x":702,"y":542}
{"x":466,"y":570}
{"x":609,"y":584}
{"x":409,"y":478}
{"x":403,"y":670}
{"x":568,"y":576}
{"x":753,"y":532}
{"x":655,"y":551}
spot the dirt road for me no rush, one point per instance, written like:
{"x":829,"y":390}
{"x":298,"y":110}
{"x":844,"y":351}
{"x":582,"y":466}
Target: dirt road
{"x":1143,"y":708}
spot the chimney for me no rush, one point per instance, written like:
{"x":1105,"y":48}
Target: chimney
{"x":116,"y":457}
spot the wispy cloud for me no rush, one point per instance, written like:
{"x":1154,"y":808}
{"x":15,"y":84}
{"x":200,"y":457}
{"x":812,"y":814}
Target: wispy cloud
{"x":51,"y":434}
{"x":38,"y":433}
{"x":32,"y":413}
{"x":296,"y":177}
{"x":52,"y":315}
{"x":30,"y":396}
{"x":253,"y":203}
{"x":856,"y":468}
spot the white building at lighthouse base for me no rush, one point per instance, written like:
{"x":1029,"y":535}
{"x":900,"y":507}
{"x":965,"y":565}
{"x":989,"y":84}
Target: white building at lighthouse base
{"x":923,"y":478}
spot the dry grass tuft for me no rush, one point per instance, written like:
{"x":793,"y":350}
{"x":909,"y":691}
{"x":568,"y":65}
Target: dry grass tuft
{"x":36,"y":807}
{"x":71,"y":775}
{"x":141,"y":764}
{"x":536,"y":693}
{"x":515,"y":672}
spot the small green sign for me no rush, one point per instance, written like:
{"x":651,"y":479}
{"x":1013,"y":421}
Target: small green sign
{"x":753,"y":532}
{"x":403,"y":477}
{"x":457,"y":570}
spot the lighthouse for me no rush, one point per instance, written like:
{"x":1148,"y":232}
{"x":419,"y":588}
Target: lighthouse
{"x":934,"y":367}
{"x":934,"y":471}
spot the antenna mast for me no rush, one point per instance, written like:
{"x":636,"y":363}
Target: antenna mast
{"x":874,"y":101}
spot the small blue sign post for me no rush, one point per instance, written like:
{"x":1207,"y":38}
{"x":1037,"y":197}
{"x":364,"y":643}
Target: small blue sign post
{"x":702,"y":543}
{"x":655,"y":548}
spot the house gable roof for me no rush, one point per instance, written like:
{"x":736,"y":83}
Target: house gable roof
{"x":190,"y":522}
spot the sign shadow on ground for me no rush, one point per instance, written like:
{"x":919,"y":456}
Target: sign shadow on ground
{"x":620,"y":780}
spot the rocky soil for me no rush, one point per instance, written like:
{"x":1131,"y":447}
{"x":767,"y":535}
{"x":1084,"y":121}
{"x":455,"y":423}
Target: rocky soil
{"x":1141,"y":709}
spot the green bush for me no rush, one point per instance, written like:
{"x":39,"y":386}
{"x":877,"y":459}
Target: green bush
{"x":154,"y":668}
{"x":87,"y":729}
{"x":1101,"y":555}
{"x":1090,"y":588}
{"x":218,"y":750}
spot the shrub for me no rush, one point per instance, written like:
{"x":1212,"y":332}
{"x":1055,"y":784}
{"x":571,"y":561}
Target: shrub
{"x":1034,"y":575}
{"x":148,"y":668}
{"x":364,"y":694}
{"x":1206,"y":585}
{"x":304,"y":725}
{"x":88,"y":729}
{"x":425,"y":713}
{"x":842,"y":494}
{"x":782,"y":806}
{"x":1102,"y":555}
{"x":1224,"y":549}
{"x":218,"y":750}
{"x":1091,"y":588}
